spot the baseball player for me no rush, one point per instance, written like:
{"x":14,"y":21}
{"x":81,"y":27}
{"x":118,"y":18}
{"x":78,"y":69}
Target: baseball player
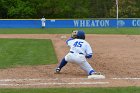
{"x":43,"y":22}
{"x":80,"y":50}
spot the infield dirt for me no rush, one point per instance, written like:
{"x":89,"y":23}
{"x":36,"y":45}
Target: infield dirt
{"x":116,"y":56}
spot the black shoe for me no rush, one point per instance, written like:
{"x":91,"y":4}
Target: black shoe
{"x":97,"y":73}
{"x":57,"y":70}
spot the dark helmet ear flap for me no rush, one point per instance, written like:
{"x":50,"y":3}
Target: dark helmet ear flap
{"x":81,"y":34}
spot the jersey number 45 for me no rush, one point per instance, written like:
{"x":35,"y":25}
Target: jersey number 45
{"x":78,"y":44}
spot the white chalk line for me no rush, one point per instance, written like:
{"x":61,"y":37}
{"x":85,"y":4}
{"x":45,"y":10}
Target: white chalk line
{"x":26,"y":79}
{"x":73,"y":83}
{"x":53,"y":79}
{"x":126,"y":78}
{"x":15,"y":82}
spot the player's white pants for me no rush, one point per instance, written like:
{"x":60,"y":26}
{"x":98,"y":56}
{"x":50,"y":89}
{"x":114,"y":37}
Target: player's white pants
{"x":43,"y":24}
{"x":80,"y":60}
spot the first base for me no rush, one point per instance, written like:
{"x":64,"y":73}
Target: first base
{"x":96,"y":77}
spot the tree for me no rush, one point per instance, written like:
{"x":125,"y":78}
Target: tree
{"x":100,"y":8}
{"x":3,"y":9}
{"x":68,"y":8}
{"x":76,"y":9}
{"x":65,"y":8}
{"x":21,"y":9}
{"x":127,"y":9}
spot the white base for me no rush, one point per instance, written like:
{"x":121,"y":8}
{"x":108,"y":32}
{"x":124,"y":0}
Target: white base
{"x":96,"y":77}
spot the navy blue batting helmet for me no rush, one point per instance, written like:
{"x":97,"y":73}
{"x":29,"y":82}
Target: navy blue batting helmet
{"x":80,"y":34}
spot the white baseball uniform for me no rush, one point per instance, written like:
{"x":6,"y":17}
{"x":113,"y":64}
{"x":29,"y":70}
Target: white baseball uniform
{"x":79,"y":48}
{"x":43,"y":22}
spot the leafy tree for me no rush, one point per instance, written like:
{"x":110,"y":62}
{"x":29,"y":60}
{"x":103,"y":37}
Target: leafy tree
{"x":127,"y":9}
{"x":74,"y":8}
{"x":68,"y":8}
{"x":99,"y":8}
{"x":3,"y":9}
{"x":21,"y":9}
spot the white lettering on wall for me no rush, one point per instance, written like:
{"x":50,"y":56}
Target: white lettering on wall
{"x":91,"y":23}
{"x":135,"y":22}
{"x":88,"y":23}
{"x":82,"y":23}
{"x":76,"y":23}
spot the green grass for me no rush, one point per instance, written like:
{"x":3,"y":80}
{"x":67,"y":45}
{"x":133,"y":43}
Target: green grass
{"x":129,"y":31}
{"x":74,"y":90}
{"x":16,"y":52}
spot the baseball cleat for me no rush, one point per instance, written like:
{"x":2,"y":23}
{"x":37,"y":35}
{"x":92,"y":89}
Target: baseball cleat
{"x":96,"y":75}
{"x":57,"y":70}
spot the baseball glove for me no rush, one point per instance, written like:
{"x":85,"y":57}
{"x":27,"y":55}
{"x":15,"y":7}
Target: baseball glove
{"x":74,"y":34}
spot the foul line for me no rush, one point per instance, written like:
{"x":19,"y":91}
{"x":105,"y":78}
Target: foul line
{"x":126,"y":78}
{"x":26,"y":79}
{"x":38,"y":79}
{"x":37,"y":84}
{"x":25,"y":82}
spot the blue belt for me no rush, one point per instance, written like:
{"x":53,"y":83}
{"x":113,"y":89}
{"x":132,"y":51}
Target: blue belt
{"x":73,"y":52}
